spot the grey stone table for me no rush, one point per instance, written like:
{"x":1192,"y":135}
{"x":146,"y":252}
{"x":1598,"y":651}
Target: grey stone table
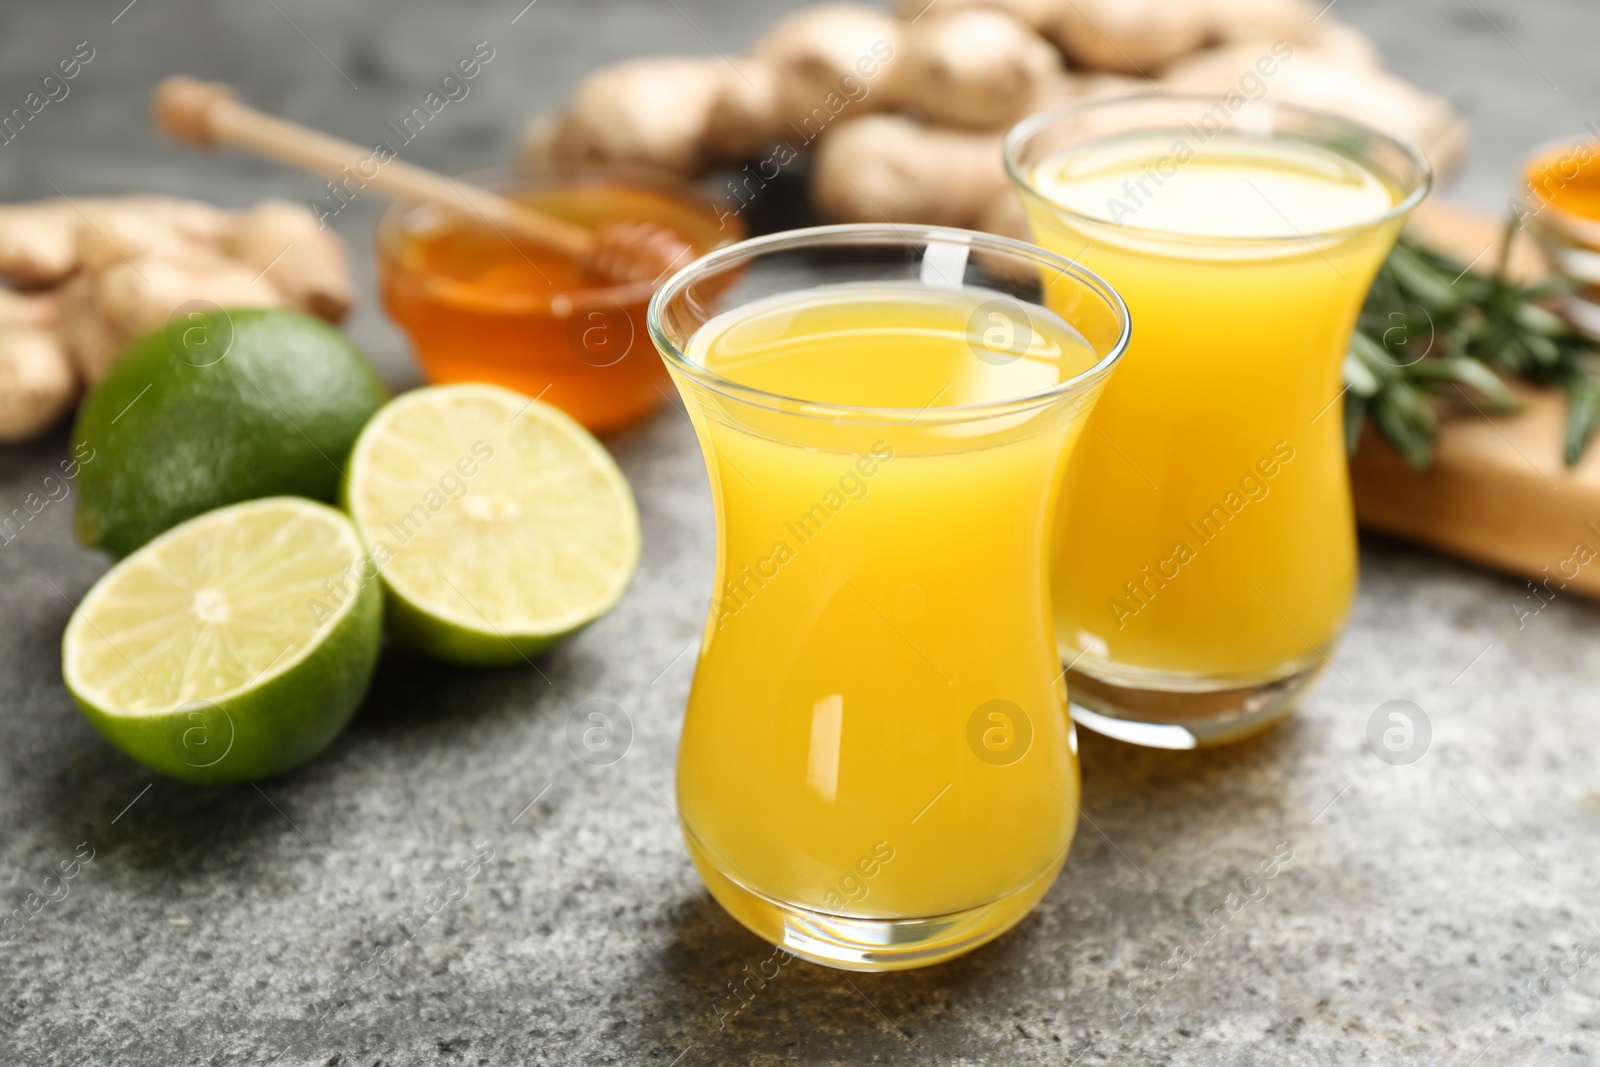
{"x":1436,"y":913}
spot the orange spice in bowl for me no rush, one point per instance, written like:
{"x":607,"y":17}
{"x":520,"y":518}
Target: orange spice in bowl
{"x":480,"y":305}
{"x":1560,"y":206}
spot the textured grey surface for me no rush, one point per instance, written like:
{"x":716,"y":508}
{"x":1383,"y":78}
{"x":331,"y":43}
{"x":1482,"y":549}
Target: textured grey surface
{"x":1425,"y":911}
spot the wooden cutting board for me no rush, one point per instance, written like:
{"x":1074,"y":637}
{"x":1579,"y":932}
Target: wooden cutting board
{"x":1498,"y":492}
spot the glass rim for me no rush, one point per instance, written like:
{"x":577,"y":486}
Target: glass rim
{"x":1036,"y":122}
{"x":523,"y":175}
{"x":883,"y":234}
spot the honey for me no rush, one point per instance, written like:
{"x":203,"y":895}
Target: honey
{"x":1560,"y":206}
{"x":480,"y":306}
{"x":1568,"y":179}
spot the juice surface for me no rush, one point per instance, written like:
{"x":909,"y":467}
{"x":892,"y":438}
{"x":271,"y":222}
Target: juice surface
{"x":891,"y":346}
{"x":879,"y":587}
{"x":1206,"y":530}
{"x":479,"y":306}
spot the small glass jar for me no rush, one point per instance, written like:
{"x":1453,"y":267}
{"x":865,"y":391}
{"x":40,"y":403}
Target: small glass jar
{"x":480,"y":307}
{"x":1559,"y":203}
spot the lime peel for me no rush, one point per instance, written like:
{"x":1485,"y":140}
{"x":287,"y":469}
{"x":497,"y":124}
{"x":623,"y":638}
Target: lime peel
{"x":498,"y":524}
{"x":173,"y":438}
{"x":202,"y":656}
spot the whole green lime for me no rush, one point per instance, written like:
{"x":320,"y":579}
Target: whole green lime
{"x":219,"y":407}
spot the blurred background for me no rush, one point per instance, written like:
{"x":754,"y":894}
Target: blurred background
{"x":1437,"y":914}
{"x":1520,"y":73}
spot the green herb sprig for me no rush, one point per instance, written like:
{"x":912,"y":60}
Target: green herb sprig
{"x":1429,"y":321}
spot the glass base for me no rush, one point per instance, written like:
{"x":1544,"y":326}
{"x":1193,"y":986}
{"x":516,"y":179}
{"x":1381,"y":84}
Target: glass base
{"x":1181,"y":712}
{"x":856,"y":943}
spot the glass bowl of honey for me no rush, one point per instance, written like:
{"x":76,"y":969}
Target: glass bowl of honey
{"x":481,"y":307}
{"x":1559,"y":203}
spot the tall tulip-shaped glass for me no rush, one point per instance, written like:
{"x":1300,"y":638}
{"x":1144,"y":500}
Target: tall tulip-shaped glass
{"x":1205,"y":547}
{"x":877,"y":770}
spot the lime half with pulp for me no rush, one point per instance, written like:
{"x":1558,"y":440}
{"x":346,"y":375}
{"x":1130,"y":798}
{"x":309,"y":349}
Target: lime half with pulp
{"x":499,"y":525}
{"x":232,"y":647}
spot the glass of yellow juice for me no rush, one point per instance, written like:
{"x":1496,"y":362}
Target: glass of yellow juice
{"x":877,"y":770}
{"x":1205,"y":557}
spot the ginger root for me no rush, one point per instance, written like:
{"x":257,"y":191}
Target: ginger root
{"x":646,"y":112}
{"x":817,"y":67}
{"x":1362,"y":94}
{"x":1302,"y":23}
{"x":38,"y":242}
{"x":1005,"y":216}
{"x":1129,"y":36}
{"x":37,"y":382}
{"x":104,"y":311}
{"x":679,"y":115}
{"x":1035,"y":14}
{"x":1270,"y":20}
{"x":685,"y":115}
{"x":830,"y":57}
{"x":1141,"y":37}
{"x":906,"y":111}
{"x":975,"y":67}
{"x":28,"y":309}
{"x":288,"y":246}
{"x":89,"y":276}
{"x":746,"y":114}
{"x":893,"y":167}
{"x":970,"y":64}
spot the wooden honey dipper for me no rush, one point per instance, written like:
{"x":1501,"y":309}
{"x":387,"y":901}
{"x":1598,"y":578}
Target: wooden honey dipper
{"x":207,"y":114}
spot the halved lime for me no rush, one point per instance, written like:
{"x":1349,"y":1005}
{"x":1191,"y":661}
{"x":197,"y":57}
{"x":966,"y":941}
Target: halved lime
{"x":232,"y":647}
{"x":499,"y":525}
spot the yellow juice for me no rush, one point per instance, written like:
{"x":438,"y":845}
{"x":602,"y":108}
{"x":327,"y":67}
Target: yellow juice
{"x":876,"y":726}
{"x":1205,"y":536}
